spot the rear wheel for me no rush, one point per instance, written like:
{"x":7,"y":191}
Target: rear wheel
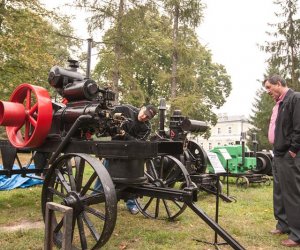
{"x":167,"y":172}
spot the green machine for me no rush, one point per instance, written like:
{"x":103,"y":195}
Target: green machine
{"x":248,"y":166}
{"x":238,"y":162}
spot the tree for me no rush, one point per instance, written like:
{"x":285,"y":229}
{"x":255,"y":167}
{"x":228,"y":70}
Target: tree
{"x":32,"y":40}
{"x":146,"y":65}
{"x":285,"y":48}
{"x":283,"y":60}
{"x":262,"y":106}
{"x":189,"y":14}
{"x":145,"y":60}
{"x":108,"y":13}
{"x":30,"y":44}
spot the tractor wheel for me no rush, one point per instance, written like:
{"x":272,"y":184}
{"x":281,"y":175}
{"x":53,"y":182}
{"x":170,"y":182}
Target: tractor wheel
{"x":83,"y":183}
{"x":164,"y":172}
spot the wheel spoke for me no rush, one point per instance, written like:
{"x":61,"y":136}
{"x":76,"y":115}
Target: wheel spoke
{"x":79,"y":163}
{"x":94,"y":212}
{"x":149,"y":176}
{"x":161,"y":167}
{"x":59,"y":226}
{"x":168,"y":175}
{"x":70,"y":174}
{"x":54,"y":191}
{"x":90,"y":226}
{"x":32,"y":121}
{"x":88,"y":184}
{"x":81,"y":232}
{"x":148,"y":204}
{"x":95,"y":198}
{"x":167,"y":208}
{"x":177,"y":204}
{"x":16,"y":129}
{"x":153,"y":169}
{"x":33,"y":109}
{"x":28,"y":99}
{"x":62,"y":180}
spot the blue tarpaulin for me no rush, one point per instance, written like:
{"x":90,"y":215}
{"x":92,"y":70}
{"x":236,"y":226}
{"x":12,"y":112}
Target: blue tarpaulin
{"x":17,"y":181}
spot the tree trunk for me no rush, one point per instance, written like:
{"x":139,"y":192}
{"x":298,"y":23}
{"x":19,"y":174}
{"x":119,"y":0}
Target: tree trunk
{"x":291,"y":45}
{"x":175,"y":53}
{"x":118,"y":50}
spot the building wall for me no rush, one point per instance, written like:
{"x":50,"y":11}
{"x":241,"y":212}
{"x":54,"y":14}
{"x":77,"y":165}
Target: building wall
{"x":227,"y":131}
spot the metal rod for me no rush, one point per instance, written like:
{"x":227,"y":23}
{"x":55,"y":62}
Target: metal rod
{"x":215,"y":226}
{"x":89,"y":55}
{"x":162,"y":109}
{"x":67,"y":138}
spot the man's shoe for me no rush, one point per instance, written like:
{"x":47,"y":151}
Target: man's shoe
{"x":276,"y":232}
{"x":290,"y":243}
{"x":133,"y":210}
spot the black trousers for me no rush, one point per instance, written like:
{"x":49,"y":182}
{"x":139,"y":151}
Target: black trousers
{"x":286,"y":194}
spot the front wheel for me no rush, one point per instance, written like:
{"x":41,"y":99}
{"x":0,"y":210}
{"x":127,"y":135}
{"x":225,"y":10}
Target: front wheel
{"x":81,"y":182}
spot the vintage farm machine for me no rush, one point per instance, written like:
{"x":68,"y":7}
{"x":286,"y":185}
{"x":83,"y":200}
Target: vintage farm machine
{"x":245,"y":165}
{"x":61,"y":137}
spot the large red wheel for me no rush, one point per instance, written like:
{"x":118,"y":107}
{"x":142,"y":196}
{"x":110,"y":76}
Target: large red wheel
{"x":33,"y":127}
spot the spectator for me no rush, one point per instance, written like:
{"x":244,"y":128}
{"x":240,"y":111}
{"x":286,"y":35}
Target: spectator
{"x":284,"y":134}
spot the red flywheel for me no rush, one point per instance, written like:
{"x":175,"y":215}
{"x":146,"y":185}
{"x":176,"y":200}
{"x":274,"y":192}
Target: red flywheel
{"x":27,"y":116}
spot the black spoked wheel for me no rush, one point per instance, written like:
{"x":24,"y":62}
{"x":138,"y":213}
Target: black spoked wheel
{"x":166,"y":172}
{"x":83,"y":183}
{"x":198,"y":157}
{"x":242,"y":182}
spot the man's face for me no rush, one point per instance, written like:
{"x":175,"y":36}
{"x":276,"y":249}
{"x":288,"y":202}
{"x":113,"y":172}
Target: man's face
{"x":274,"y":90}
{"x":142,"y":117}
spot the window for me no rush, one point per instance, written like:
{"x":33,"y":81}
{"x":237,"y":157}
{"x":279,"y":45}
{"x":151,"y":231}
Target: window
{"x":209,"y":146}
{"x":229,"y":130}
{"x":219,"y":131}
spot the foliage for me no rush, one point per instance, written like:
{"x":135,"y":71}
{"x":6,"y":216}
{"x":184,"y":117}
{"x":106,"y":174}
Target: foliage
{"x":285,"y":48}
{"x":32,"y":40}
{"x":145,"y":67}
{"x":188,"y":13}
{"x":284,"y":52}
{"x":262,"y":111}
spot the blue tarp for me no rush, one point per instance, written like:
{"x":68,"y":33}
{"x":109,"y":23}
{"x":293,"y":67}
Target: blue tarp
{"x":17,"y":181}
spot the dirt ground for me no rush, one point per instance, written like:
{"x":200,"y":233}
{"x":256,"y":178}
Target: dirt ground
{"x":22,"y":225}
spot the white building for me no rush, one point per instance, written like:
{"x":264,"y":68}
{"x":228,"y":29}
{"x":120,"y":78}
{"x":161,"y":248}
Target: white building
{"x":227,"y":131}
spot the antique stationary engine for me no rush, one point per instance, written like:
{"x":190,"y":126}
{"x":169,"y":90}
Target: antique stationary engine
{"x":60,"y":136}
{"x":30,"y":116}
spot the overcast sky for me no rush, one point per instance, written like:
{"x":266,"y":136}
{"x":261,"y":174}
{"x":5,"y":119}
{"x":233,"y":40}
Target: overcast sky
{"x":231,"y":30}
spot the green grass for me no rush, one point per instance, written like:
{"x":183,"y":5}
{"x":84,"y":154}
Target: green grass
{"x":248,"y":221}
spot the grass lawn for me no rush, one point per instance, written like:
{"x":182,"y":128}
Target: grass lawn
{"x":248,"y":221}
